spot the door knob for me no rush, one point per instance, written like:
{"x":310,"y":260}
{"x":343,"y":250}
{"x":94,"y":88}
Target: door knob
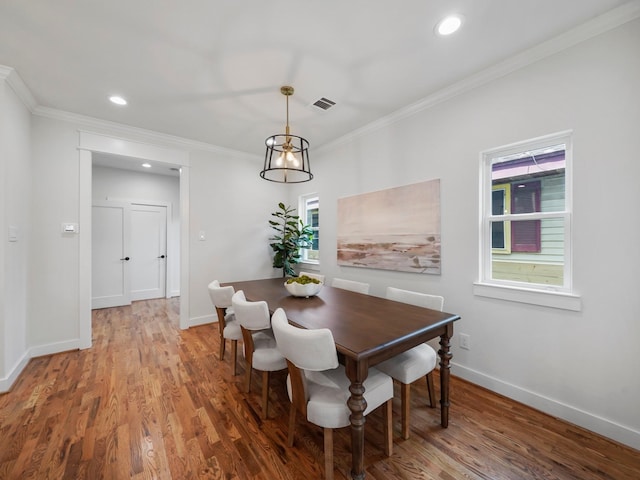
{"x":161,"y":256}
{"x":125,"y":258}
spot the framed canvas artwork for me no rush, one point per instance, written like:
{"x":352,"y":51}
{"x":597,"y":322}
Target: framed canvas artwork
{"x":393,"y":229}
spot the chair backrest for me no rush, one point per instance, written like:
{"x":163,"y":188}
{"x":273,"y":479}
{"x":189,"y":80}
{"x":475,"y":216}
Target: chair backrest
{"x":312,"y":350}
{"x":352,"y":285}
{"x":250,"y":315}
{"x":434,"y":302}
{"x":317,"y":276}
{"x":220,"y":296}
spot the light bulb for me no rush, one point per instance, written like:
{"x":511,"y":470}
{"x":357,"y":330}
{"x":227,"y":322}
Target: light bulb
{"x":449,"y":25}
{"x":118,"y":100}
{"x":280,"y":159}
{"x":291,"y":158}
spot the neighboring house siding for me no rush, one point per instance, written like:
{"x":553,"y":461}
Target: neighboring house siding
{"x":546,"y":266}
{"x":552,"y":199}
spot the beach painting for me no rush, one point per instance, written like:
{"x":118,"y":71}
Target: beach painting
{"x":393,"y":229}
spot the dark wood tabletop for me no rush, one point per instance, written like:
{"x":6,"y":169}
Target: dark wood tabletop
{"x":363,"y":326}
{"x":366,"y":330}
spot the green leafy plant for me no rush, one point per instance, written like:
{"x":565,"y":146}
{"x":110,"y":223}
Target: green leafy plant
{"x":291,"y":235}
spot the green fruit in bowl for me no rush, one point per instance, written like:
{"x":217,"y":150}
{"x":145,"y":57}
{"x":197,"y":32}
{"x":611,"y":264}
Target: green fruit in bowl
{"x":304,"y":280}
{"x":303,"y":286}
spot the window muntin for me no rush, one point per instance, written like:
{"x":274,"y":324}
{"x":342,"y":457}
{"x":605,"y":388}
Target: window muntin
{"x":525,"y":234}
{"x":501,"y":231}
{"x":310,"y":215}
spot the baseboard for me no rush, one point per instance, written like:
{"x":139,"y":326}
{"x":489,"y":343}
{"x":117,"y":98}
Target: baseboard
{"x":174,"y":293}
{"x":203,"y":320}
{"x":51,"y":348}
{"x":7,"y":382}
{"x":571,"y":414}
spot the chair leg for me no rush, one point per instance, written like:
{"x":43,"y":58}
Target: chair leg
{"x":405,"y":389}
{"x":328,"y":454}
{"x":234,"y":357}
{"x":247,"y":377}
{"x":387,"y":417}
{"x":222,"y":345}
{"x":430,"y":389}
{"x":292,"y":424}
{"x":265,"y":394}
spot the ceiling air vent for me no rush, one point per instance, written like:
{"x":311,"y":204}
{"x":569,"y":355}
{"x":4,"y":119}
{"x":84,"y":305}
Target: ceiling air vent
{"x":324,"y":103}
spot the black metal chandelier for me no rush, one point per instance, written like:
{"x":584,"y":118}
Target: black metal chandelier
{"x":287,"y":157}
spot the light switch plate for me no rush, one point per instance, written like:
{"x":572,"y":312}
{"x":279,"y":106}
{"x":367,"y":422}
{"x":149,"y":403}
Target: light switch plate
{"x":69,"y":228}
{"x":13,"y":233}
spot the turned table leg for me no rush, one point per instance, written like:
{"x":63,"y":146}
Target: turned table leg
{"x":445,"y":357}
{"x":357,"y":373}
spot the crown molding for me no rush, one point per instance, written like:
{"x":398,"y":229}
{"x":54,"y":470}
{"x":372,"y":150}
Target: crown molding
{"x":18,"y":86}
{"x":5,"y":72}
{"x":594,"y":27}
{"x":147,"y":135}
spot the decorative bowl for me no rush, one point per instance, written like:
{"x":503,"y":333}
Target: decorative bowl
{"x":303,"y":290}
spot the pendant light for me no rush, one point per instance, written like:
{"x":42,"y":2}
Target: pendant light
{"x":287,"y":157}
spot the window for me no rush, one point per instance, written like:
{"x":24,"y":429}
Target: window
{"x":310,"y":215}
{"x":525,"y":234}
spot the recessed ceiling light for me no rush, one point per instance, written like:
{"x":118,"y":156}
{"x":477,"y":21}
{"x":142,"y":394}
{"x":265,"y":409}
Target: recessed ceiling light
{"x":117,"y":100}
{"x":146,"y":165}
{"x":449,"y":25}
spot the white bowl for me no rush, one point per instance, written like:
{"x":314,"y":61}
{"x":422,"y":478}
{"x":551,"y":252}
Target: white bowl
{"x":303,"y":290}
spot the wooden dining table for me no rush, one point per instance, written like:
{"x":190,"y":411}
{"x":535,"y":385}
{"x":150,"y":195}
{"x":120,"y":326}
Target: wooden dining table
{"x":366,"y":330}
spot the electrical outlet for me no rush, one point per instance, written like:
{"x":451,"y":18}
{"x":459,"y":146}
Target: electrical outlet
{"x":464,"y":341}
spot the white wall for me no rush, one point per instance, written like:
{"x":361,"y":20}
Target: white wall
{"x":118,"y":184}
{"x":232,"y":207}
{"x":581,"y":366}
{"x":15,"y":171}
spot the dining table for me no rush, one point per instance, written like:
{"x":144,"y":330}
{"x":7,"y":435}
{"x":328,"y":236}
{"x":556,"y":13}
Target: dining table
{"x":367,"y":330}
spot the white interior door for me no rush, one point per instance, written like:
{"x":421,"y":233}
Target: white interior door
{"x":148,"y":251}
{"x":110,"y":257}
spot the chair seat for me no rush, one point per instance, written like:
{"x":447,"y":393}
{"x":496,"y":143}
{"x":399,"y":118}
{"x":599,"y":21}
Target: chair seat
{"x":329,"y":391}
{"x":232,"y":330}
{"x":409,"y":366}
{"x":266,"y":356}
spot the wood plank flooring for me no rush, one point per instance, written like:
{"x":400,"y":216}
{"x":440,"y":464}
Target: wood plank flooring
{"x":149,"y":401}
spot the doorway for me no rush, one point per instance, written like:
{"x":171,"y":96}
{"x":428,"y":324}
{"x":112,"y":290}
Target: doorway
{"x":90,"y":143}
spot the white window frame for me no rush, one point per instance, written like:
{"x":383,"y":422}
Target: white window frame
{"x":303,"y":201}
{"x":547,"y":295}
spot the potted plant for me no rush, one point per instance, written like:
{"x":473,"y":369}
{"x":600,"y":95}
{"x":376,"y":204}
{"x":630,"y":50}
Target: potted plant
{"x":291,"y":235}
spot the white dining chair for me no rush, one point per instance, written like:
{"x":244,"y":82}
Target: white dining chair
{"x":260,"y":349}
{"x":228,"y":326}
{"x":318,"y":386}
{"x":317,"y":276}
{"x":409,"y":366}
{"x":352,"y":285}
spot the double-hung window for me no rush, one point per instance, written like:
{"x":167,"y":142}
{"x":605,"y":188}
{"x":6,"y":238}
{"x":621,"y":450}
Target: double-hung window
{"x":310,"y":214}
{"x":525,"y":233}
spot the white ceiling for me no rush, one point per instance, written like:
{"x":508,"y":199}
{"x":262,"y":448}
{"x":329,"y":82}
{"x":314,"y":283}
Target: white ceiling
{"x":211,"y":71}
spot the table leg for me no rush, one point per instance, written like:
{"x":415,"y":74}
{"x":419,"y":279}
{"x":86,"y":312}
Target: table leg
{"x":445,"y":356}
{"x":357,"y":373}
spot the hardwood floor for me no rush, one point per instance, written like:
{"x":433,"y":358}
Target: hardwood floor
{"x":151,"y":401}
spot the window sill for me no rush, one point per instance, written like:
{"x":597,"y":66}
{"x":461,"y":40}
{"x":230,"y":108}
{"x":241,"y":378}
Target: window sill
{"x":564,"y":301}
{"x":312,"y":263}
